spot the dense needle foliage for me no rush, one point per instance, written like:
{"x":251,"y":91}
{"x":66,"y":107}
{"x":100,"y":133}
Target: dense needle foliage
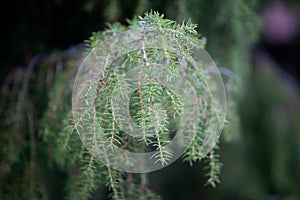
{"x":151,"y":105}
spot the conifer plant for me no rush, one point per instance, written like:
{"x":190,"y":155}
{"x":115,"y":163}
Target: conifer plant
{"x":145,"y":95}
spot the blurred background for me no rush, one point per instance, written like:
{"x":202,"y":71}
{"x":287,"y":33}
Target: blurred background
{"x":259,"y":41}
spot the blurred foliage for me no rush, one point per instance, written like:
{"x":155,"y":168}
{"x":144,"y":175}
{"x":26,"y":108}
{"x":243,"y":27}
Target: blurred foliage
{"x":26,"y":162}
{"x":271,"y":114}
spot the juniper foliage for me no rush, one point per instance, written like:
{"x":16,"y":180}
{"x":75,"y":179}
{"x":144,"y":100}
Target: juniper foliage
{"x":40,"y":137}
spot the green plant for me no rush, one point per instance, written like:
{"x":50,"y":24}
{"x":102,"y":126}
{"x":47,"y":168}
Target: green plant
{"x":159,"y":110}
{"x":131,"y":69}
